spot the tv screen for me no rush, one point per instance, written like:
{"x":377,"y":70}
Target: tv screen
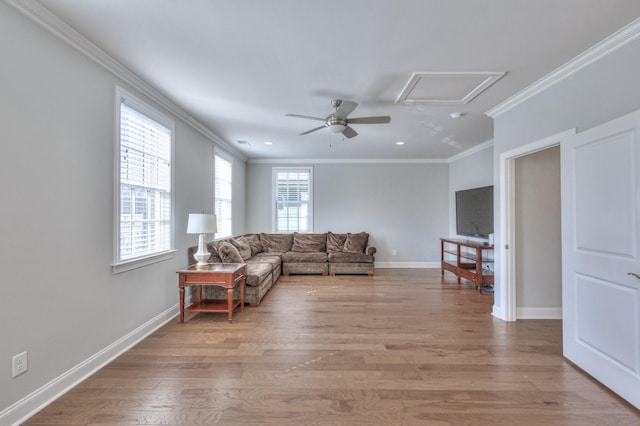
{"x":474,"y":212}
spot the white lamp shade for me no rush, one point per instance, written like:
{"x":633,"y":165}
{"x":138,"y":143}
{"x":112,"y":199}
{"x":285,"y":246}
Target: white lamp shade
{"x":202,"y":224}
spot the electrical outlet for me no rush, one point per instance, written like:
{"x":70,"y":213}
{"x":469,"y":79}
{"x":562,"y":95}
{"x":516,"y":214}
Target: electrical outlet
{"x":394,"y":252}
{"x":19,"y":364}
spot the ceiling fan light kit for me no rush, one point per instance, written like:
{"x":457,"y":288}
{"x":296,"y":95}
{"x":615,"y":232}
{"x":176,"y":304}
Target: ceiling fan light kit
{"x":338,"y":121}
{"x":336,"y":125}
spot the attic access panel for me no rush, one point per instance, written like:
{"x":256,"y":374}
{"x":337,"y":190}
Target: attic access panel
{"x":446,"y":87}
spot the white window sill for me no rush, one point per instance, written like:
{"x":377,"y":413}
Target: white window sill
{"x":142,"y":261}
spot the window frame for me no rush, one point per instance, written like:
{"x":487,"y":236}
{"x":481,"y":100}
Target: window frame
{"x":274,"y":200}
{"x":226,"y":157}
{"x":131,"y":101}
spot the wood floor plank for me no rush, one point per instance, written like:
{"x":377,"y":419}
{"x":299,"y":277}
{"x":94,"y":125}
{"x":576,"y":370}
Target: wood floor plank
{"x":404,"y":347}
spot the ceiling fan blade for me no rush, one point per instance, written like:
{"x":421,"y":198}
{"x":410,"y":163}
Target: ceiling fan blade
{"x":312,"y":130}
{"x":349,"y":132}
{"x":370,"y":120}
{"x":345,"y":108}
{"x":305,"y":116}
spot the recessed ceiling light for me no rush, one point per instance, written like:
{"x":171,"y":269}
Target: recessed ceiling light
{"x":268,"y":143}
{"x":456,"y":115}
{"x":399,"y":143}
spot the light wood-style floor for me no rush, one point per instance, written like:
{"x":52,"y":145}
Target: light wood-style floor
{"x":401,"y":348}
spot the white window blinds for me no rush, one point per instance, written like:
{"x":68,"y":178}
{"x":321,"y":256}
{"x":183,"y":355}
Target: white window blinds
{"x":223,"y":173}
{"x":293,"y":199}
{"x":145,"y":201}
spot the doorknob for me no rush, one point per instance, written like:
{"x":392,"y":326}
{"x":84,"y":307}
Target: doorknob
{"x":634,"y":274}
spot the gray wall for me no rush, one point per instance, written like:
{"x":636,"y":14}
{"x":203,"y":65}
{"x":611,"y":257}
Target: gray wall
{"x":470,"y":171}
{"x":60,"y":300}
{"x":538,"y":243}
{"x":238,"y":198}
{"x":601,"y":91}
{"x":402,"y":206}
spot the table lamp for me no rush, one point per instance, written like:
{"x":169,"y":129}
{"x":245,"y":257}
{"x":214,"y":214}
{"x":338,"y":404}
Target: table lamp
{"x":202,"y":224}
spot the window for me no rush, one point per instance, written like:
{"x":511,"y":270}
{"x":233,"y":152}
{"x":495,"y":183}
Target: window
{"x":223,"y":169}
{"x":144,"y":200}
{"x":293,"y":193}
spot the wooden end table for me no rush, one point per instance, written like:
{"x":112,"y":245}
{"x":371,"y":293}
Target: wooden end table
{"x":225,"y":275}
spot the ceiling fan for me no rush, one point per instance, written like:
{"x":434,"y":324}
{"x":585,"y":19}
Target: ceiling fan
{"x":338,"y":121}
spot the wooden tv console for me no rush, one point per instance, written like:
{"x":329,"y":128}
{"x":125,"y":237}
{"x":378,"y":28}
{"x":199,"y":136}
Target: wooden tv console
{"x":467,"y":259}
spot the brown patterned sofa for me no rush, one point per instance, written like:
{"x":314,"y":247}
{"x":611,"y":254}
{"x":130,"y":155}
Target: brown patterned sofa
{"x":269,"y":255}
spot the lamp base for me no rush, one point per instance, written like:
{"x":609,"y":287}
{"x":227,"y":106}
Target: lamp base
{"x":202,"y":255}
{"x":202,"y":266}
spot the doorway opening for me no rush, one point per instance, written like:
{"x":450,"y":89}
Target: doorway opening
{"x":537,"y":240}
{"x":522,"y":261}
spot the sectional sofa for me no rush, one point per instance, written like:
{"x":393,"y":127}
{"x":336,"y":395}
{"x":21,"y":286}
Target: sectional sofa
{"x":270,"y":255}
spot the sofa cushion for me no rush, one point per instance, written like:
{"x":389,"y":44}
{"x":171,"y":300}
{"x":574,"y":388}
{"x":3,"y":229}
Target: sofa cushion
{"x":269,"y":257}
{"x":274,"y":261}
{"x":311,"y":257}
{"x":309,"y":242}
{"x":229,"y":253}
{"x":335,"y":242}
{"x":356,"y":243}
{"x":276,"y":243}
{"x":243,"y":247}
{"x":254,"y":243}
{"x":256,"y":273}
{"x":350,"y":258}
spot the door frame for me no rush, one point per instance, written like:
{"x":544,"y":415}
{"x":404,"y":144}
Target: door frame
{"x":505,"y":290}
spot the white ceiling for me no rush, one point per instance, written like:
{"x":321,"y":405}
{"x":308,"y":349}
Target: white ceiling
{"x":238,"y":66}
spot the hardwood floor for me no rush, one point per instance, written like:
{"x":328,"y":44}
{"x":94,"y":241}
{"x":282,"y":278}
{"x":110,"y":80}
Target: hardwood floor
{"x":404,"y":347}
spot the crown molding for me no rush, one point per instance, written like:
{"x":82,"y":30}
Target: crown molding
{"x":46,"y":19}
{"x":348,"y":161}
{"x":471,"y":151}
{"x":49,"y":21}
{"x":615,"y":41}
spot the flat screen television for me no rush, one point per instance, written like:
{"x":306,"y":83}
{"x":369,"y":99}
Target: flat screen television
{"x":474,"y":212}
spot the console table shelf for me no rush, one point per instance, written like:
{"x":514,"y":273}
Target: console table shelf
{"x":466,"y":259}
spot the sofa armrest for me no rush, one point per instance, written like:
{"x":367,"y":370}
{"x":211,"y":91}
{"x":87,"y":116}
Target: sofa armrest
{"x":371,"y":250}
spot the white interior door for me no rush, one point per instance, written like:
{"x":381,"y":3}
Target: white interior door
{"x":600,"y":299}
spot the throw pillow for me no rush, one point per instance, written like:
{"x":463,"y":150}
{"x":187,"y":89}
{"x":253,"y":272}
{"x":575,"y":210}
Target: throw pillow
{"x":309,"y":243}
{"x":356,"y":243}
{"x":335,"y":242}
{"x":243,"y":247}
{"x":228,"y":253}
{"x":254,"y":243}
{"x":276,"y":243}
{"x":213,"y":250}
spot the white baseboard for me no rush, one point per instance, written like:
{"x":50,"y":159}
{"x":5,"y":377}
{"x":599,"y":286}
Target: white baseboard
{"x":539,"y":313}
{"x":40,"y":398}
{"x":498,"y":313}
{"x":401,"y":265}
